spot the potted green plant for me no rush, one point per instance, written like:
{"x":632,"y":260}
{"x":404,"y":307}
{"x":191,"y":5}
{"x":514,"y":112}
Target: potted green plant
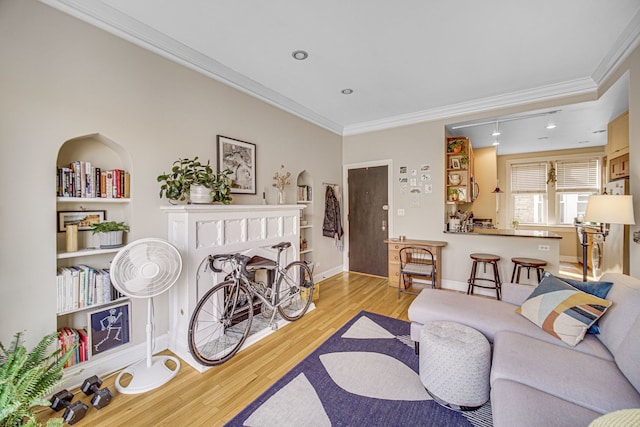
{"x":26,"y":377}
{"x":221,"y":187}
{"x":111,"y":233}
{"x":195,"y":181}
{"x":456,"y":146}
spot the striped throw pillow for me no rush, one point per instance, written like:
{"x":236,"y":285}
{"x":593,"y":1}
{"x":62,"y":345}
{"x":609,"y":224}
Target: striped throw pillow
{"x":562,"y":310}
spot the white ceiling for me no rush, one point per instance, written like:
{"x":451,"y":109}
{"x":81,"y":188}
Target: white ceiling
{"x":406,"y":61}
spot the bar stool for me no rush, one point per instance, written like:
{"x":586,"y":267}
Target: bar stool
{"x":528,"y":263}
{"x":485,"y":259}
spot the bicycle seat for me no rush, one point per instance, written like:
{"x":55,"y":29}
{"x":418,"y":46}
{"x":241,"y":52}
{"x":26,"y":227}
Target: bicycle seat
{"x":281,"y":246}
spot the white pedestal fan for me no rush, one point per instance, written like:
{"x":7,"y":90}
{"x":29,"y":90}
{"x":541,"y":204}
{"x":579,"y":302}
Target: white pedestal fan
{"x":143,"y":269}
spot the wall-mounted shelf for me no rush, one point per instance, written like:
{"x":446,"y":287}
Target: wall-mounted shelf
{"x":91,"y":200}
{"x":86,"y":252}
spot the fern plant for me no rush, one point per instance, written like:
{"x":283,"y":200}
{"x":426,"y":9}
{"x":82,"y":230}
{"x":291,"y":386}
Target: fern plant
{"x":26,"y":377}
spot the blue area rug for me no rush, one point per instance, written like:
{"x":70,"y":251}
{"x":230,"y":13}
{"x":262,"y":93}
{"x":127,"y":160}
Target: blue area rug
{"x":364,"y":374}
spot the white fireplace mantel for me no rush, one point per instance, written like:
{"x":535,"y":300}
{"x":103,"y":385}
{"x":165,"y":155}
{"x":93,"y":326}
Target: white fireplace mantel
{"x":202,"y":230}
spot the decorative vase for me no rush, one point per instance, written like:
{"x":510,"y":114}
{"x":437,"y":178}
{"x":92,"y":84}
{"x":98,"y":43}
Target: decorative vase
{"x":72,"y":237}
{"x":200,"y":194}
{"x":111,"y":239}
{"x":281,"y":196}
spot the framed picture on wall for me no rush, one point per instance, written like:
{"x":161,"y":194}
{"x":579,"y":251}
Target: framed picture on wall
{"x":84,"y":219}
{"x":109,"y":327}
{"x":455,"y":163}
{"x":240,"y":158}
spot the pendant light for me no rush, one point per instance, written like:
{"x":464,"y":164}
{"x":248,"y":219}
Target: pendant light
{"x":497,"y":190}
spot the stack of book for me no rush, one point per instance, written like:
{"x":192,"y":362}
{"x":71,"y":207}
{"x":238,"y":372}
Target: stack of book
{"x":304,"y":193}
{"x":82,"y":179}
{"x":83,"y":286}
{"x":76,"y":340}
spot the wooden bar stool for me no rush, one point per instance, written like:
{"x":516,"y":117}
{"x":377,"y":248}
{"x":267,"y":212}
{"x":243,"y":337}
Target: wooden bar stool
{"x":528,"y":263}
{"x":485,"y":259}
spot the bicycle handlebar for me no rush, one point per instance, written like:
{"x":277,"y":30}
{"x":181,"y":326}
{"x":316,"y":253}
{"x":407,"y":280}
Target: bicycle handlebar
{"x":237,"y":258}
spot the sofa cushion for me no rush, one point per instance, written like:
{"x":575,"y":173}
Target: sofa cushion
{"x":562,"y":310}
{"x":599,"y":289}
{"x":582,"y":379}
{"x":625,"y":295}
{"x":627,"y":355}
{"x":486,"y":315}
{"x":515,"y":404}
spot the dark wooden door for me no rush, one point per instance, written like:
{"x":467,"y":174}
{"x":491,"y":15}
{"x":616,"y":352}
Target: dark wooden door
{"x":368,"y":220}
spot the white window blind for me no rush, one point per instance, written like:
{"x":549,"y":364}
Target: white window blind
{"x":577,"y":176}
{"x":529,"y":178}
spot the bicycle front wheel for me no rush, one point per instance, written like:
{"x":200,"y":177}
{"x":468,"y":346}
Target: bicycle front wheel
{"x":295,"y":290}
{"x":220,"y":323}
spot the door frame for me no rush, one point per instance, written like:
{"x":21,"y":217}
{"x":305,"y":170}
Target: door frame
{"x":345,"y":197}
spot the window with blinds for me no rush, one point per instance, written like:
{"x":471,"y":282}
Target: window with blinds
{"x":534,"y":201}
{"x":577,"y":180}
{"x":577,"y":176}
{"x":529,"y":192}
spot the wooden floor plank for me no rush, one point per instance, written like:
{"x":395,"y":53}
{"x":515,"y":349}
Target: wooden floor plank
{"x":214,"y":397}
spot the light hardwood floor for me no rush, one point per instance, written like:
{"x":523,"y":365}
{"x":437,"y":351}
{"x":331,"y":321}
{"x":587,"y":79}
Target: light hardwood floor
{"x":214,"y":397}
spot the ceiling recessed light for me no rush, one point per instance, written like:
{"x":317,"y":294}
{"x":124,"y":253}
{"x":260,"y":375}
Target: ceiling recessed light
{"x":551,"y":126}
{"x":300,"y":55}
{"x":583,"y":142}
{"x":347,"y":91}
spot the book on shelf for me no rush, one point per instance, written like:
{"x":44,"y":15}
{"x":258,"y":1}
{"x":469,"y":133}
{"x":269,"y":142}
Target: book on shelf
{"x":304,"y":193}
{"x":75,"y":340}
{"x":83,"y":286}
{"x":82,"y":179}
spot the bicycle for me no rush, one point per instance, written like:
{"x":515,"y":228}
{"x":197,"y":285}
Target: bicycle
{"x":222,"y":319}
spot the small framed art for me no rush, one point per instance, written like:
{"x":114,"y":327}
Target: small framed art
{"x":240,"y":158}
{"x":109,"y":327}
{"x":84,"y":219}
{"x":455,"y":163}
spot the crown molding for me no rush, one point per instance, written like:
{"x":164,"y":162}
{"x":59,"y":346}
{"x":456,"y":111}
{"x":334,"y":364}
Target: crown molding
{"x":115,"y":22}
{"x":543,"y":93}
{"x":625,"y":44}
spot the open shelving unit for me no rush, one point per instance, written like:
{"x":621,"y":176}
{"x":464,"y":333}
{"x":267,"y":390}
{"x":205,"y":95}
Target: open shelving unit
{"x":304,"y":196}
{"x":106,"y":154}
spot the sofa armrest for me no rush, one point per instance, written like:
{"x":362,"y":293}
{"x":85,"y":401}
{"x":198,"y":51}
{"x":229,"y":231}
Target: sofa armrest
{"x":515,"y":293}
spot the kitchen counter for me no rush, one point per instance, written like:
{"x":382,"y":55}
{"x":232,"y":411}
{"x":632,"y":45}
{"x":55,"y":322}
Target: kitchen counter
{"x":544,"y":234}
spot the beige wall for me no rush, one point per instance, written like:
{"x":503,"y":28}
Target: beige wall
{"x":61,"y":78}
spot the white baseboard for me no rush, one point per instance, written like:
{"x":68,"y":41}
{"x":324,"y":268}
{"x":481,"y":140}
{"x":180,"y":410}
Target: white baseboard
{"x":317,"y":277}
{"x":110,"y":362}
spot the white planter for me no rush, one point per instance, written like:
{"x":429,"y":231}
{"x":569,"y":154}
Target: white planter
{"x":200,"y":194}
{"x":111,"y":239}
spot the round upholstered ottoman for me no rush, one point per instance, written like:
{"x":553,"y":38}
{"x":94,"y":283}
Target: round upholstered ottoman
{"x":455,"y":362}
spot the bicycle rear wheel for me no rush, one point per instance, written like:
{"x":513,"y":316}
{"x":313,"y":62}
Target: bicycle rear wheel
{"x":220,"y":323}
{"x":294,"y":304}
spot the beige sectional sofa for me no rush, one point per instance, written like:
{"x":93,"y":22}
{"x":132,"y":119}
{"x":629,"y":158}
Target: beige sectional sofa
{"x":537,"y":379}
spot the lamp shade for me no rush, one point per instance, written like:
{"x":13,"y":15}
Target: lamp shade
{"x":610,"y":209}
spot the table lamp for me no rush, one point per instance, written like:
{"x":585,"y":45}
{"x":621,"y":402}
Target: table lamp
{"x":605,"y":209}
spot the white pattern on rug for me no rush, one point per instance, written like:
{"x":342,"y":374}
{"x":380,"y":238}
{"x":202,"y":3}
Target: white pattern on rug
{"x":374,"y":375}
{"x":365,"y":328}
{"x":299,"y":393}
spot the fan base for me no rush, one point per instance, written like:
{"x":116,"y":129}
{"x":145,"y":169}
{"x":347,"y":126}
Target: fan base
{"x":145,"y":378}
